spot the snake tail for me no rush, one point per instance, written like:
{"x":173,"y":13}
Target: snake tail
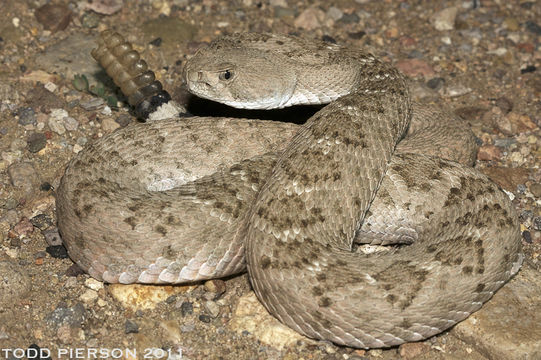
{"x":130,"y":73}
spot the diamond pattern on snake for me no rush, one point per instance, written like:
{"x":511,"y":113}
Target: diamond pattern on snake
{"x":174,"y":200}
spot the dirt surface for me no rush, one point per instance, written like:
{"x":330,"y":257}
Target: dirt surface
{"x":479,"y":58}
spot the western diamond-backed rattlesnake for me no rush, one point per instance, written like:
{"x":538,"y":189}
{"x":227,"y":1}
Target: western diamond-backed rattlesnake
{"x":175,"y":200}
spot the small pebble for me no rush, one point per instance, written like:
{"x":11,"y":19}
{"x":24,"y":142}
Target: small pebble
{"x":24,"y":227}
{"x":56,"y":121}
{"x":187,"y":328}
{"x":283,"y":12}
{"x":36,"y":142}
{"x":334,"y":13}
{"x":89,"y":296}
{"x":457,"y":90}
{"x":123,"y":119}
{"x":50,"y":86}
{"x":52,"y":237}
{"x":216,"y":286}
{"x":528,"y":69}
{"x":92,"y":104}
{"x":351,"y":18}
{"x":45,"y":186}
{"x":436,"y":83}
{"x":107,"y":7}
{"x":131,"y":327}
{"x":489,"y":152}
{"x":357,"y":35}
{"x":533,"y":27}
{"x":74,"y":270}
{"x":156,"y":42}
{"x":27,"y":116}
{"x":527,"y":236}
{"x":41,"y":221}
{"x":536,"y":223}
{"x":535,"y":188}
{"x":109,"y":124}
{"x":66,"y":315}
{"x":212,"y":308}
{"x":77,"y":148}
{"x":57,"y":251}
{"x":70,"y":123}
{"x":186,"y":308}
{"x":15,"y":242}
{"x":53,"y":17}
{"x":93,"y":284}
{"x":444,"y":19}
{"x":309,"y":19}
{"x":205,"y":318}
{"x":90,"y":20}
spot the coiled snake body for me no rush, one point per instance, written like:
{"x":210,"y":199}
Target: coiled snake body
{"x":180,"y":200}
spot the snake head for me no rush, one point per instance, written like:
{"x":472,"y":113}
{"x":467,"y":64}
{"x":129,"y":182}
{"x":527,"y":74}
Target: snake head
{"x":239,"y":76}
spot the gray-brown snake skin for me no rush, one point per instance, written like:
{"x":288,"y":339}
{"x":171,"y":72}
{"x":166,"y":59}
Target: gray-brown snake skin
{"x":180,"y":200}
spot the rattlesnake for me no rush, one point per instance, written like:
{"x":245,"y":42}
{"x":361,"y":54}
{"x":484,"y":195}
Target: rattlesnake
{"x":185,"y":199}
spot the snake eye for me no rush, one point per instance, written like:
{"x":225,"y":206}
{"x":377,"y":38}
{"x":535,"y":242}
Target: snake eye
{"x":226,"y":75}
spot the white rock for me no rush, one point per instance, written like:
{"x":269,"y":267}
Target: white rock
{"x":93,"y":284}
{"x":88,"y":296}
{"x":444,"y":19}
{"x":251,"y":316}
{"x":56,"y":120}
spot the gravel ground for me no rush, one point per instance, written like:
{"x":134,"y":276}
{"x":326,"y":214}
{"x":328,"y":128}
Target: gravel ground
{"x":479,"y":58}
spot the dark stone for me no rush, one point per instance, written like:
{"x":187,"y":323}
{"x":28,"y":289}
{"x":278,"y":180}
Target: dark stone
{"x":131,"y":327}
{"x":533,"y":27}
{"x":63,"y":314}
{"x":329,"y":39}
{"x":54,"y":17}
{"x":57,"y":251}
{"x":528,"y":69}
{"x":205,"y":318}
{"x":349,"y":18}
{"x":41,"y":221}
{"x":123,"y":120}
{"x":435,"y":83}
{"x":156,"y":42}
{"x":527,"y":236}
{"x":171,"y":299}
{"x":27,"y":116}
{"x":356,"y":35}
{"x":74,"y":270}
{"x":36,"y":142}
{"x":186,"y":308}
{"x":45,"y":186}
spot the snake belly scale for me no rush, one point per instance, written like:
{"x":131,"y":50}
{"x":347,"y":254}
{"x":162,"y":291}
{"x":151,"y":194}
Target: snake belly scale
{"x":177,"y":200}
